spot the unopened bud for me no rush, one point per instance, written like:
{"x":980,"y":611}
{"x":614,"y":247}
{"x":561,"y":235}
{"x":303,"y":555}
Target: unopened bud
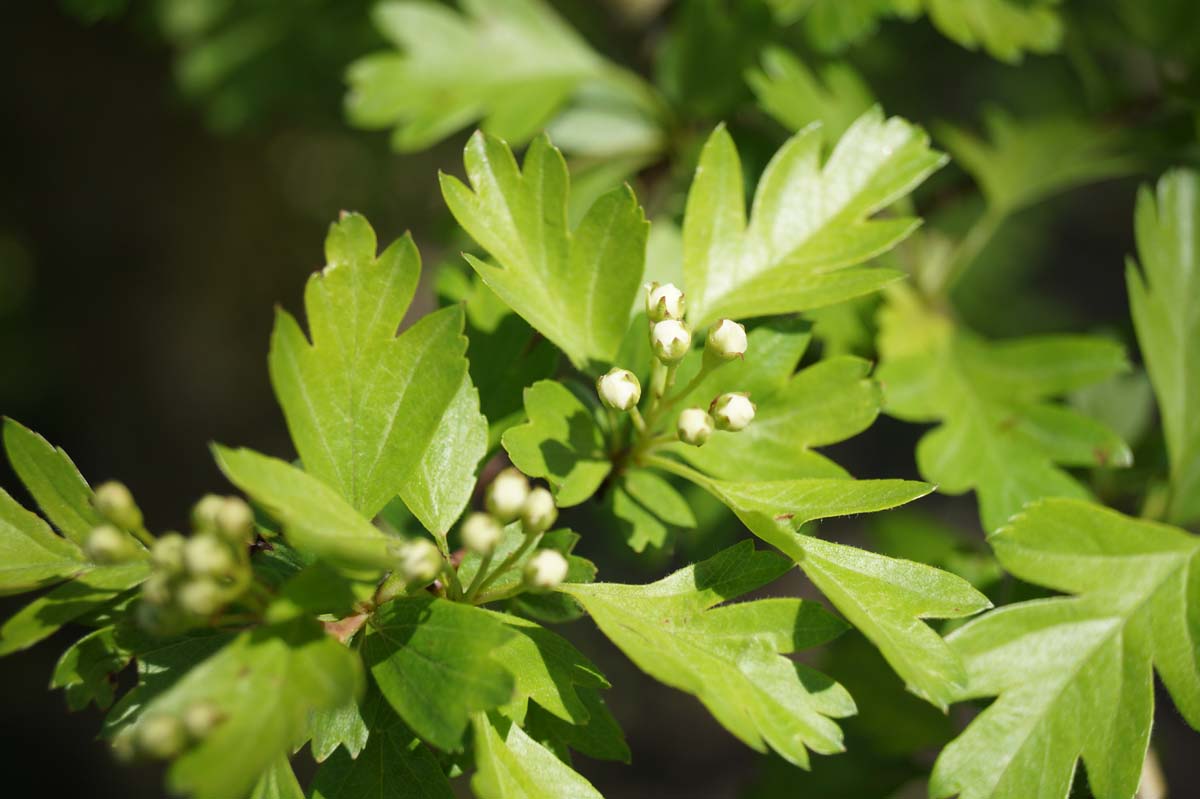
{"x":200,"y":718}
{"x":420,"y":561}
{"x":114,"y":502}
{"x":201,"y":597}
{"x":107,"y":545}
{"x":124,"y":745}
{"x":235,"y":521}
{"x":506,"y":495}
{"x":539,"y":512}
{"x":664,"y":302}
{"x":208,"y":556}
{"x":481,"y":533}
{"x":167,"y":553}
{"x":732,"y":412}
{"x":546,"y":569}
{"x":619,"y":389}
{"x":157,"y":589}
{"x":160,"y":736}
{"x":204,"y":512}
{"x":694,"y":426}
{"x":727,"y":340}
{"x":670,"y":340}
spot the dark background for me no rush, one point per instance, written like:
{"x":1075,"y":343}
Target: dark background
{"x":145,"y":237}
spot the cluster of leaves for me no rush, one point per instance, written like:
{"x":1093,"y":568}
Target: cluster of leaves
{"x":400,"y":686}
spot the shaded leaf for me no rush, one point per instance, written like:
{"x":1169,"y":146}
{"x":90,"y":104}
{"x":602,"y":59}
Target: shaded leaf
{"x":514,"y":766}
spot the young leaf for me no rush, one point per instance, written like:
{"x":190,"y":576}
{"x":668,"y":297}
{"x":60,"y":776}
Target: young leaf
{"x":810,"y":223}
{"x":362,"y":404}
{"x":560,"y":442}
{"x":1074,"y":675}
{"x":57,"y":486}
{"x":730,"y":657}
{"x":278,"y":782}
{"x":573,"y":287}
{"x":600,"y":737}
{"x":349,"y":725}
{"x":1164,"y":297}
{"x":1000,"y":433}
{"x":513,"y":63}
{"x":514,"y":766}
{"x":85,"y":671}
{"x":885,"y":598}
{"x":648,"y":507}
{"x":795,"y":97}
{"x":266,"y":683}
{"x":30,"y":553}
{"x":434,"y":662}
{"x":316,"y":519}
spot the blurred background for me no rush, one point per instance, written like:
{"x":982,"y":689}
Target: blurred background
{"x":169,"y":171}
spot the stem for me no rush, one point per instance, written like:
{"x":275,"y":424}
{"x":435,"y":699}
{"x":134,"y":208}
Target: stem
{"x":477,"y":580}
{"x":676,"y":468}
{"x":505,"y":565}
{"x":638,"y":422}
{"x":143,"y":535}
{"x":968,"y":250}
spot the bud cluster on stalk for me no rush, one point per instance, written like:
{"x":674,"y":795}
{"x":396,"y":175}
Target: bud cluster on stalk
{"x":112,"y":542}
{"x":159,"y":736}
{"x":194,"y":578}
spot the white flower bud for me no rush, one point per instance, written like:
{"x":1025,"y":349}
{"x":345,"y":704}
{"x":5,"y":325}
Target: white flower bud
{"x":694,"y":426}
{"x":114,"y":502}
{"x":160,"y":736}
{"x":205,"y":555}
{"x":204,"y":512}
{"x":619,"y":389}
{"x":670,"y":340}
{"x":124,"y":745}
{"x":727,"y":340}
{"x":732,"y":412}
{"x":481,"y":533}
{"x":157,"y":589}
{"x":664,"y":302}
{"x":167,"y":553}
{"x":546,"y":569}
{"x":539,"y":513}
{"x":200,"y":597}
{"x":107,"y":545}
{"x":420,"y":561}
{"x":200,"y":718}
{"x":235,"y":521}
{"x":506,"y":495}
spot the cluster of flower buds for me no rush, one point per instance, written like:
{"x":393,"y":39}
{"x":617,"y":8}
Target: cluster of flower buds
{"x":159,"y":736}
{"x":111,"y":543}
{"x":193,"y":578}
{"x":509,"y":498}
{"x":733,"y":412}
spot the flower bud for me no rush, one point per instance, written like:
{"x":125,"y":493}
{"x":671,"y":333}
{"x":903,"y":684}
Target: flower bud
{"x":157,"y":589}
{"x":107,"y":545}
{"x":664,"y":302}
{"x":694,"y":426}
{"x":481,"y":533}
{"x":200,"y":597}
{"x":420,"y":561}
{"x":200,"y":718}
{"x":124,"y":745}
{"x":546,"y":569}
{"x":114,"y":502}
{"x":167,"y":553}
{"x":732,"y":411}
{"x":205,"y":555}
{"x":204,"y":512}
{"x":160,"y":736}
{"x":727,"y":340}
{"x":235,"y":521}
{"x":506,"y":495}
{"x":539,"y":512}
{"x":670,"y":340}
{"x":619,"y":389}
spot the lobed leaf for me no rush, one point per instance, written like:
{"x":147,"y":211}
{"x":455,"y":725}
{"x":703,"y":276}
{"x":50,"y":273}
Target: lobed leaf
{"x":511,"y":765}
{"x":51,"y":477}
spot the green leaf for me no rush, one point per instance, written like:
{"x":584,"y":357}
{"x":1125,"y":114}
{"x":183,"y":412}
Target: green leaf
{"x":85,"y":671}
{"x":794,"y":96}
{"x":648,"y":508}
{"x":51,"y":477}
{"x":885,"y":598}
{"x":31,"y":554}
{"x":1025,"y":161}
{"x":349,"y":725}
{"x":1164,"y":297}
{"x":434,"y":662}
{"x":600,"y":737}
{"x":266,"y":684}
{"x":365,"y":406}
{"x":86,"y":593}
{"x":316,"y":519}
{"x":573,"y":287}
{"x":511,"y":63}
{"x":393,"y":765}
{"x":278,"y":782}
{"x":560,"y":442}
{"x":514,"y":766}
{"x":1073,"y":676}
{"x":730,"y":657}
{"x":811,"y":221}
{"x":1001,"y":434}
